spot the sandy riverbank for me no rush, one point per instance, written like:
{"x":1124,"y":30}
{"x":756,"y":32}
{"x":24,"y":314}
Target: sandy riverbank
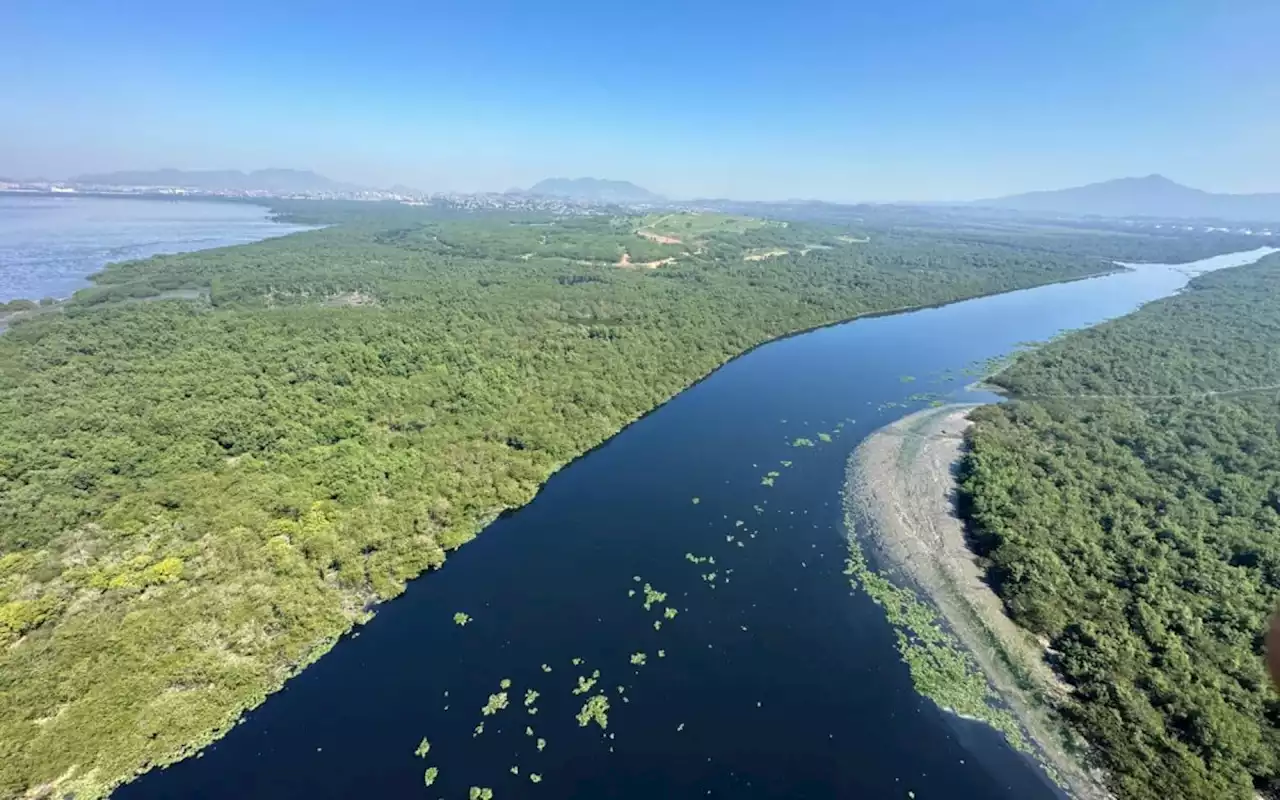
{"x":901,"y":488}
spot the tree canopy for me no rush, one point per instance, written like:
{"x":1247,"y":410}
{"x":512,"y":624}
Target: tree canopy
{"x":1128,"y":503}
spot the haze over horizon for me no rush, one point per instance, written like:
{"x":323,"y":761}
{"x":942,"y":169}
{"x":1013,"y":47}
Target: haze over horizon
{"x":918,"y":101}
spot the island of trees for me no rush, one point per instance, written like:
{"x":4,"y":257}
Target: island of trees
{"x":214,"y":464}
{"x":1127,"y":502}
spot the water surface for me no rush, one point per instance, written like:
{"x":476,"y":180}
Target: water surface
{"x":779,"y":683}
{"x":49,"y":245}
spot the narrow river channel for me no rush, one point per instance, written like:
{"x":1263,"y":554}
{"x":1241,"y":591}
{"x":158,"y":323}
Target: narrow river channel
{"x":773,"y":680}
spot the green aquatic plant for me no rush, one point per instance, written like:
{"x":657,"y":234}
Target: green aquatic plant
{"x":515,"y":770}
{"x":528,"y":731}
{"x":680,"y":727}
{"x":429,"y":777}
{"x":785,"y":464}
{"x":766,"y":481}
{"x":631,"y":593}
{"x":773,"y":474}
{"x":710,"y":577}
{"x":651,"y":596}
{"x":737,"y":523}
{"x":657,"y":624}
{"x":662,"y":654}
{"x":424,"y":747}
{"x":496,"y":703}
{"x":826,"y":437}
{"x":480,"y":793}
{"x":535,"y":777}
{"x":802,"y":442}
{"x":533,"y":709}
{"x":690,"y":557}
{"x":585,"y":684}
{"x":638,"y":659}
{"x":542,"y":745}
{"x":505,"y":683}
{"x":729,"y":538}
{"x":577,"y":662}
{"x":596,"y":709}
{"x":479,"y":730}
{"x":907,"y":378}
{"x":697,"y":500}
{"x":546,"y":667}
{"x":530,"y":696}
{"x":669,"y":612}
{"x":461,"y":618}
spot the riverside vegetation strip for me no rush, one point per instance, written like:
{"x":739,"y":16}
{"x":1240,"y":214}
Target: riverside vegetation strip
{"x":199,"y":496}
{"x":1127,"y":501}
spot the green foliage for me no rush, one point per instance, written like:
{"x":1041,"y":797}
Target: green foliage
{"x":496,"y":703}
{"x":638,"y":659}
{"x":461,"y":618}
{"x":480,"y":793}
{"x":651,"y":596}
{"x":199,"y":496}
{"x":1139,"y":532}
{"x":802,"y":442}
{"x":424,"y":747}
{"x":429,"y":777}
{"x":596,"y":710}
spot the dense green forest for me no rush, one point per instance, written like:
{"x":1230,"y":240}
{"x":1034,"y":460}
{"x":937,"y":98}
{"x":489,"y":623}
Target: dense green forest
{"x":1128,"y":503}
{"x":213,"y":464}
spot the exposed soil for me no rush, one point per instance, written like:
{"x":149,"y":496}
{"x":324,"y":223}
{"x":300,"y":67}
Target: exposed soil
{"x":905,"y":485}
{"x":659,"y":238}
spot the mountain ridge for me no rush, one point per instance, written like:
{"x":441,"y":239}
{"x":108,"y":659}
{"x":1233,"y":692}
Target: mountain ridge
{"x":594,"y":190}
{"x":1148,"y":196}
{"x":270,"y":180}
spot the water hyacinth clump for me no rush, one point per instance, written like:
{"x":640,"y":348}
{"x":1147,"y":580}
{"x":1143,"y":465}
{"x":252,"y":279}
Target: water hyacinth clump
{"x":596,"y":710}
{"x":496,"y":703}
{"x":461,"y":618}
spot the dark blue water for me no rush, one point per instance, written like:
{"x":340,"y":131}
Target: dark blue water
{"x":787,"y":685}
{"x":49,"y":245}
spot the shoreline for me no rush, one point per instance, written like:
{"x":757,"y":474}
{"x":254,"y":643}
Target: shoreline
{"x":900,"y":516}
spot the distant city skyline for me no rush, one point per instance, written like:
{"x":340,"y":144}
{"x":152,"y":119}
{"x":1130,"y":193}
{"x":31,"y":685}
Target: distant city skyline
{"x":913,"y":101}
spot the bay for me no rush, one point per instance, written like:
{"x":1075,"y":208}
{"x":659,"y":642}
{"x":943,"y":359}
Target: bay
{"x":49,"y":245}
{"x":778,"y":682}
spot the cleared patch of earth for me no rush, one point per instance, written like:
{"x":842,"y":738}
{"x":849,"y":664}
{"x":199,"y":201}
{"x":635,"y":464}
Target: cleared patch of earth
{"x":626,"y":261}
{"x":659,"y":238}
{"x":765,"y":255}
{"x":904,"y":485}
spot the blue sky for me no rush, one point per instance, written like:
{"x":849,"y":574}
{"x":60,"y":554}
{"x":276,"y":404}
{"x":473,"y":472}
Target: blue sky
{"x":850,"y":100}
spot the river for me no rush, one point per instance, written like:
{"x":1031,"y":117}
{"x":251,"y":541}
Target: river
{"x":49,"y":245}
{"x":779,"y":682}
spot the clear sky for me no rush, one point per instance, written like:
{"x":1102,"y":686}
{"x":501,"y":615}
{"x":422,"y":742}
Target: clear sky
{"x":843,"y":100}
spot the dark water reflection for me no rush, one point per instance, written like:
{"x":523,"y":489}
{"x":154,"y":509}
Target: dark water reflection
{"x":786,"y":684}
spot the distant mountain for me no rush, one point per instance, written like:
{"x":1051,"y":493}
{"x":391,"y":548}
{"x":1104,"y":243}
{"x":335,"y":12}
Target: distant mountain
{"x":263,"y":180}
{"x":1152,"y":196}
{"x":594,"y":190}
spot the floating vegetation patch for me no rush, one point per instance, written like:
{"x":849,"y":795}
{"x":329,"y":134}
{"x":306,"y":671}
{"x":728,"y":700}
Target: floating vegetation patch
{"x":515,"y":769}
{"x":662,"y":654}
{"x":424,"y":747}
{"x":680,"y":727}
{"x":631,"y":593}
{"x":596,"y":710}
{"x":585,"y":684}
{"x":941,"y":669}
{"x":530,"y":696}
{"x":577,"y":662}
{"x":461,"y":618}
{"x":480,"y":793}
{"x":907,"y":378}
{"x":802,"y":442}
{"x":429,"y":777}
{"x":546,"y":667}
{"x":669,"y":612}
{"x":785,"y":464}
{"x":826,"y":437}
{"x":652,"y":595}
{"x":535,"y":777}
{"x":690,"y":557}
{"x":639,"y":659}
{"x":766,"y":481}
{"x":542,"y":745}
{"x":496,"y":703}
{"x":505,"y":683}
{"x":697,"y":500}
{"x":657,"y":624}
{"x":479,"y":730}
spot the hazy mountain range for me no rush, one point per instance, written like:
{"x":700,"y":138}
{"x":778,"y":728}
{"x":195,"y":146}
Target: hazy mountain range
{"x":594,"y":190}
{"x":284,"y":181}
{"x":1152,"y":196}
